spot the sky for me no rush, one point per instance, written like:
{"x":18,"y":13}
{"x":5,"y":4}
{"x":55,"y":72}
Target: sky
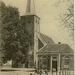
{"x":48,"y":13}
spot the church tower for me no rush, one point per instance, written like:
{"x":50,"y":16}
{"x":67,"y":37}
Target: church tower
{"x":32,"y":22}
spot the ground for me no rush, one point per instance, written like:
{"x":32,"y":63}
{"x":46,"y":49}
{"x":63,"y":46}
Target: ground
{"x":20,"y":73}
{"x":15,"y":73}
{"x":24,"y":71}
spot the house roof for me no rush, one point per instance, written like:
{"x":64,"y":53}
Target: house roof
{"x":63,"y":48}
{"x":45,"y":39}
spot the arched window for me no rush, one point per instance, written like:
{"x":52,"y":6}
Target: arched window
{"x":55,"y":58}
{"x":44,"y":62}
{"x":66,"y":62}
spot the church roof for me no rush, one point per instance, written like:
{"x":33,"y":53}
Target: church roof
{"x":45,"y":39}
{"x":63,"y":48}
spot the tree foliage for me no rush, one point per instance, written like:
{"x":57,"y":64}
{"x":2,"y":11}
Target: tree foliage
{"x":15,"y":37}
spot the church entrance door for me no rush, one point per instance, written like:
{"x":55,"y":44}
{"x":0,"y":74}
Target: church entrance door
{"x":54,"y":64}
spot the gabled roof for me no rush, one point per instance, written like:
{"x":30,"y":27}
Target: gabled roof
{"x":63,"y":48}
{"x":45,"y":39}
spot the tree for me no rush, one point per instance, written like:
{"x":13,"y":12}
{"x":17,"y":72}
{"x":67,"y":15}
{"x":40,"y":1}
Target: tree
{"x":16,"y":39}
{"x":2,"y":6}
{"x":10,"y":18}
{"x":67,"y":19}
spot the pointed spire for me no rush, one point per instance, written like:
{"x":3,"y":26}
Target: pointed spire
{"x":30,"y":7}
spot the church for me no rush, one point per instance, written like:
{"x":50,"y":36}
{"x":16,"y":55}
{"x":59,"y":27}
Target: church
{"x":45,"y":53}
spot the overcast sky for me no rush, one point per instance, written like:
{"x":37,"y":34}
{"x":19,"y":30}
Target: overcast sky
{"x":48,"y":13}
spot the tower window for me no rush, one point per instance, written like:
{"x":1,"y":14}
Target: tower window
{"x":38,"y":21}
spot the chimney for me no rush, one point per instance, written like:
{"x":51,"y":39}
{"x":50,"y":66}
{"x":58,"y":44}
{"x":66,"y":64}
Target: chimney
{"x":59,"y":42}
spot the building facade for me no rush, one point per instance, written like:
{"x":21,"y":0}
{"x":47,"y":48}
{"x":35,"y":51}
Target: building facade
{"x":56,"y":57}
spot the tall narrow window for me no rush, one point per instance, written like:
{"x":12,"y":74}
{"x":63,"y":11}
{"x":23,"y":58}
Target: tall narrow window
{"x":38,"y":21}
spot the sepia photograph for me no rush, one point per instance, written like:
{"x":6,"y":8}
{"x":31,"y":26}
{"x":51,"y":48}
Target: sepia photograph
{"x":36,"y":37}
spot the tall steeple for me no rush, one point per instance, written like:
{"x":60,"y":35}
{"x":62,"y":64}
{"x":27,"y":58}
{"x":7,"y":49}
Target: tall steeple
{"x":32,"y":23}
{"x":30,"y":10}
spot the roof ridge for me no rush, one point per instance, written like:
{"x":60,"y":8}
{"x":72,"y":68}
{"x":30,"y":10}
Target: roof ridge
{"x":57,"y":48}
{"x":45,"y":35}
{"x":48,"y":38}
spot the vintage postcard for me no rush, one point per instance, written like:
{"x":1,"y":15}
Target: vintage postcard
{"x":36,"y":37}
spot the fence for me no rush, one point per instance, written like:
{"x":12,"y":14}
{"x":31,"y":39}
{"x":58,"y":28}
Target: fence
{"x":66,"y":72}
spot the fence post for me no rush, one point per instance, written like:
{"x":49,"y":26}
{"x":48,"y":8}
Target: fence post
{"x":59,"y":73}
{"x":62,"y":73}
{"x":65,"y":72}
{"x":52,"y":72}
